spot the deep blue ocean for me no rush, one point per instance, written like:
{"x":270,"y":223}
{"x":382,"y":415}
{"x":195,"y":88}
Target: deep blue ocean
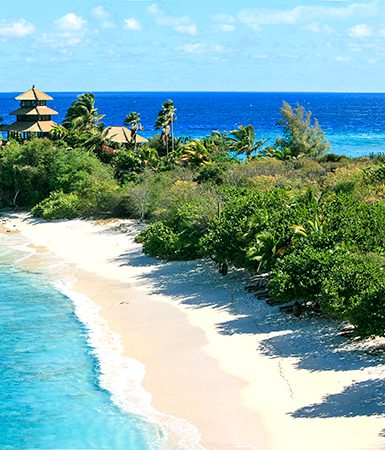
{"x":50,"y":392}
{"x":354,"y":123}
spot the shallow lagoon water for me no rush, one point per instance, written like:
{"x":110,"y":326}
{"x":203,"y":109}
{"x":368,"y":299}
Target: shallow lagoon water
{"x":50,"y":393}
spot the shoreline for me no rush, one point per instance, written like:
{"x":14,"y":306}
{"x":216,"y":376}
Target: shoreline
{"x":243,"y":379}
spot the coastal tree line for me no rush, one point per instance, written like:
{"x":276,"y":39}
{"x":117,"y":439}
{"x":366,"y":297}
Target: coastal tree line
{"x":313,"y":220}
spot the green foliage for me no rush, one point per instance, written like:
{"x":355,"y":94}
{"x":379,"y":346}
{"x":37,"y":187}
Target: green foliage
{"x":348,"y":280}
{"x":25,"y":173}
{"x":82,"y":114}
{"x":159,"y":240}
{"x":301,"y":274}
{"x":300,"y":135}
{"x":368,"y":315}
{"x":243,"y":141}
{"x":31,"y":172}
{"x":58,"y":206}
{"x":165,"y":122}
{"x":133,"y":121}
{"x":346,"y":285}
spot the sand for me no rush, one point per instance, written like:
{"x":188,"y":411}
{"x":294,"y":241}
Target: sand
{"x":242,"y":373}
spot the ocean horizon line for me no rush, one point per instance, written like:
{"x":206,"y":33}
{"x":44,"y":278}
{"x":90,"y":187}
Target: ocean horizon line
{"x":202,"y":92}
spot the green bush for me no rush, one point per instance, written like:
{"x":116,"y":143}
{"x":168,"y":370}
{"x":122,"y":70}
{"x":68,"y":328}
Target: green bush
{"x":159,"y":240}
{"x":368,"y":315}
{"x":348,"y":280}
{"x":301,"y":274}
{"x":58,"y":206}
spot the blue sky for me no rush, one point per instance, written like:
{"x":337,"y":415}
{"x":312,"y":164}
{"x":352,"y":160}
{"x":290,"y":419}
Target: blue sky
{"x":229,"y":45}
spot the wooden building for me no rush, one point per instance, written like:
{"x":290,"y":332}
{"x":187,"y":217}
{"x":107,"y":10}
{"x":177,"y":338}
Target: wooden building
{"x":33,"y":117}
{"x":122,"y":135}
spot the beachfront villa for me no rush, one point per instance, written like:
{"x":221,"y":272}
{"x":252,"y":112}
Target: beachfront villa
{"x":33,"y":117}
{"x":122,"y":135}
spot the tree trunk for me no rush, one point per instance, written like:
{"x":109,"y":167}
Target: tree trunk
{"x":15,"y":198}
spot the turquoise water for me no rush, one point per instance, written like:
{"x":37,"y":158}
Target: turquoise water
{"x":50,"y":395}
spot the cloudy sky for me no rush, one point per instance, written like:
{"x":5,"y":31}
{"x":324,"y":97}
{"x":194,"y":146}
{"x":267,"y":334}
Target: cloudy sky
{"x":236,"y":45}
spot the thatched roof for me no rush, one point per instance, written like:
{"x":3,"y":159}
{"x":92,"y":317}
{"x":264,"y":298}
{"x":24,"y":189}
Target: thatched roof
{"x":122,"y":135}
{"x":43,"y":126}
{"x":37,"y":111}
{"x":34,"y":94}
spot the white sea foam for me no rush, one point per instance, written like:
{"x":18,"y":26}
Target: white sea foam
{"x":122,"y":376}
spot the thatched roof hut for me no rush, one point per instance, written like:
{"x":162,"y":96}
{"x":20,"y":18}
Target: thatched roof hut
{"x":122,"y":135}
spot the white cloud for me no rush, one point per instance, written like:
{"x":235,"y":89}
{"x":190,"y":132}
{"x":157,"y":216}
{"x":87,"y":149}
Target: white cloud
{"x":180,"y":24}
{"x":360,"y":31}
{"x":257,"y":18}
{"x":20,"y":28}
{"x":132,"y":24}
{"x":344,"y":59}
{"x":71,"y":22}
{"x":68,"y":31}
{"x":61,"y":40}
{"x":198,"y":47}
{"x":260,"y":56}
{"x":225,"y":23}
{"x":315,"y":27}
{"x":100,"y":12}
{"x":103,"y":16}
{"x":193,"y":48}
{"x":221,"y":17}
{"x":226,"y":27}
{"x":187,"y":29}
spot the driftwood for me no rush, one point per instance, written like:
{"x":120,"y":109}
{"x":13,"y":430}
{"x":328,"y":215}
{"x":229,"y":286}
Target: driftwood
{"x":262,"y":293}
{"x":347,"y":331}
{"x":287,"y":308}
{"x":252,"y":288}
{"x":273,"y":302}
{"x":258,"y":284}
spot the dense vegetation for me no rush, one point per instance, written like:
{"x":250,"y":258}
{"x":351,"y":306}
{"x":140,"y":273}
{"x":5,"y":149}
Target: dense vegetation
{"x":315,"y":221}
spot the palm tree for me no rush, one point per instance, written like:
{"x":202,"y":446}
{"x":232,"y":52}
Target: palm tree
{"x":82,"y":114}
{"x":58,"y":132}
{"x":243,"y":141}
{"x":165,"y":122}
{"x":98,"y":141}
{"x":133,"y":121}
{"x":195,"y":152}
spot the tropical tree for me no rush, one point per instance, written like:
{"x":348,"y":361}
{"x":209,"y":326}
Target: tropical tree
{"x":265,"y":250}
{"x":243,"y":141}
{"x":82,"y":114}
{"x":98,"y":141}
{"x":132,"y":120}
{"x":58,"y":132}
{"x":301,"y":135}
{"x":165,"y":122}
{"x":195,"y":153}
{"x":281,"y":154}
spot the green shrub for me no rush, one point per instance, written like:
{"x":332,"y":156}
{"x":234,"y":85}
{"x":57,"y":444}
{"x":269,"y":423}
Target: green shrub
{"x":58,"y":206}
{"x":348,"y":279}
{"x":301,"y":274}
{"x":159,"y":240}
{"x":368,"y":315}
{"x":333,"y":157}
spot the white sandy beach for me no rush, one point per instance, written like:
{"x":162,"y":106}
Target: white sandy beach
{"x":242,"y":373}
